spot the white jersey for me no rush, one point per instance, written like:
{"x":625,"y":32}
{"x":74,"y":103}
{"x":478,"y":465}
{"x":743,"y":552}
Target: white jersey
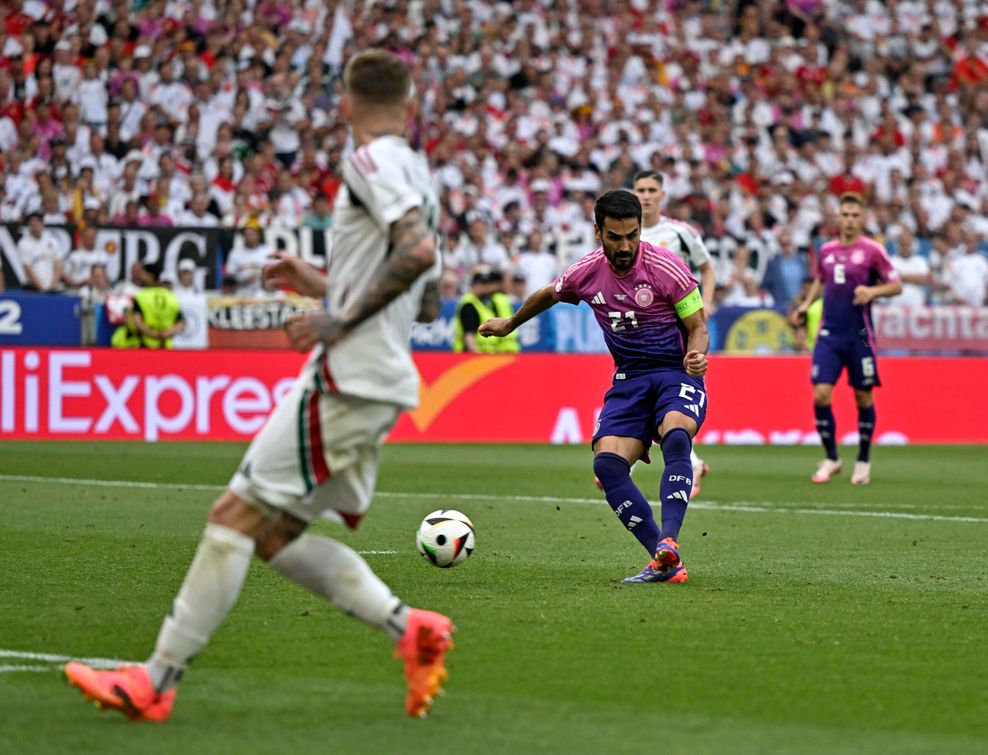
{"x":680,"y":238}
{"x":382,"y":181}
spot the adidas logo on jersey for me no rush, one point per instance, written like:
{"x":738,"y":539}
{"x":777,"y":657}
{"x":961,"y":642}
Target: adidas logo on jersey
{"x":693,"y":408}
{"x":598,"y":298}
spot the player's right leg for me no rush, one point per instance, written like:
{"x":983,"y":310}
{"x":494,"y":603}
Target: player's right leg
{"x":210,"y":590}
{"x":827,"y":367}
{"x":700,"y":470}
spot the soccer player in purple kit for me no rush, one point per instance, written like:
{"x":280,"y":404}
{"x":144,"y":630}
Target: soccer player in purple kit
{"x":852,"y":271}
{"x":648,"y":305}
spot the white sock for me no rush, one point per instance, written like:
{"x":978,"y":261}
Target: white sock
{"x":694,"y":459}
{"x":211,"y":588}
{"x":337,"y":573}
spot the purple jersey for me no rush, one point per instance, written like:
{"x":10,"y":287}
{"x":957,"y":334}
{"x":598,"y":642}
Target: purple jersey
{"x":843,"y":268}
{"x":637,"y":312}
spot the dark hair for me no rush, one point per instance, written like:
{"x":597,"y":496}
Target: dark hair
{"x":852,"y":197}
{"x":619,"y":204}
{"x":378,"y":76}
{"x":653,"y":174}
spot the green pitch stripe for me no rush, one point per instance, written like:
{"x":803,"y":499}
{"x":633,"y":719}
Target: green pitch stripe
{"x":303,"y":439}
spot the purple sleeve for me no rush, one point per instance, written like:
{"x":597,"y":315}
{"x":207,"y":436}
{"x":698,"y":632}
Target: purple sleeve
{"x":568,"y":284}
{"x":883,"y":265}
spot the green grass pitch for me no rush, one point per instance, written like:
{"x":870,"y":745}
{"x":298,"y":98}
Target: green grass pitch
{"x":817,"y":619}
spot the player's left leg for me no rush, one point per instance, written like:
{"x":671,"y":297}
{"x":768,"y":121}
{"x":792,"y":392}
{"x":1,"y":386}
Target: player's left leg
{"x":866,"y":429}
{"x":863,"y":376}
{"x":352,"y":432}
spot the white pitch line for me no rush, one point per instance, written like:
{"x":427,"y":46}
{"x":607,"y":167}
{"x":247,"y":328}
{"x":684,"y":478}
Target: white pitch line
{"x":55,"y":661}
{"x":744,"y":507}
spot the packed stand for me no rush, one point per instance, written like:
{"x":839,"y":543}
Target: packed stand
{"x":224,"y":113}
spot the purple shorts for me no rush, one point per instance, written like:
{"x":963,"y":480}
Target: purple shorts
{"x":832,"y":354}
{"x":634,"y":407}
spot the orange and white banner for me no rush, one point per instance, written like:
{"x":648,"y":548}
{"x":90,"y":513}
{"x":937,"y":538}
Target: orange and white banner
{"x":95,"y":394}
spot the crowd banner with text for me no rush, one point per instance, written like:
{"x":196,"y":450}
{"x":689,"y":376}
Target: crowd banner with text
{"x":92,"y":394}
{"x":236,"y":323}
{"x":932,"y":329}
{"x":162,"y":248}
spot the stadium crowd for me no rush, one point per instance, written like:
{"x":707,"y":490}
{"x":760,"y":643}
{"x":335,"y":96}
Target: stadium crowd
{"x":759,"y":114}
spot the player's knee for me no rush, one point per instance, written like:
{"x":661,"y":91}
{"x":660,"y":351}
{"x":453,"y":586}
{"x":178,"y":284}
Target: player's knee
{"x":610,"y":468}
{"x":864,"y":399}
{"x":676,"y":445}
{"x":232,"y":511}
{"x":276,"y":534}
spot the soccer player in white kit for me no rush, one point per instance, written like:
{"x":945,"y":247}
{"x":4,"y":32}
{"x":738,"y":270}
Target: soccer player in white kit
{"x":318,"y":453}
{"x":682,"y":239}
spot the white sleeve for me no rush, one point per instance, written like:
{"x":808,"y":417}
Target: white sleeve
{"x":376,"y":178}
{"x":694,"y":244}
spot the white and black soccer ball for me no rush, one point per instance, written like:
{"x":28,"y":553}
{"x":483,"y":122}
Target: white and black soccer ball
{"x":446,"y":538}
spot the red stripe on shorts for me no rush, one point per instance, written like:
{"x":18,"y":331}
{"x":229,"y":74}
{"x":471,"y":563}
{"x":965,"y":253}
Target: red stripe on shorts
{"x":316,"y":453}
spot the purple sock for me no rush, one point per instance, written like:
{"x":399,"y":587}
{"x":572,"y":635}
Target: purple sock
{"x":827,"y":428}
{"x":866,"y":429}
{"x":626,"y":500}
{"x":677,"y":481}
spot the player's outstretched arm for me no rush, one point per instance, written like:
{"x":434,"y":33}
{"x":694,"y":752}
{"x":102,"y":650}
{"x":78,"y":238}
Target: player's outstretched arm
{"x":290,"y":271}
{"x":534,"y":305}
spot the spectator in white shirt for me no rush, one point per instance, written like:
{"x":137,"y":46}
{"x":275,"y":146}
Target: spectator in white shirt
{"x":292,"y":201}
{"x":247,"y":261}
{"x":198,"y":215}
{"x":92,"y":96}
{"x":476,"y":248}
{"x":967,"y":274}
{"x":536,"y":263}
{"x":187,"y":283}
{"x":132,"y":109}
{"x":913,"y":269}
{"x":85,"y":267}
{"x":173,"y":97}
{"x":40,"y":256}
{"x":65,"y":73}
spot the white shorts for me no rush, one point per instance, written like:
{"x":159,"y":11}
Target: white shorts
{"x":317,"y":455}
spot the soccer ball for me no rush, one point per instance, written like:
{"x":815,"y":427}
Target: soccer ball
{"x":445,"y":538}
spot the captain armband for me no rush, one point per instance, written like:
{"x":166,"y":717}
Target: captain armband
{"x":689,"y":304}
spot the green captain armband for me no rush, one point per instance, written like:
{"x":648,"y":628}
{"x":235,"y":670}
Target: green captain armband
{"x":689,"y":304}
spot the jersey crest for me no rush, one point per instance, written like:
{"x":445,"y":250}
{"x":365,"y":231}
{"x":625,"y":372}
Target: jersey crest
{"x":644,"y":296}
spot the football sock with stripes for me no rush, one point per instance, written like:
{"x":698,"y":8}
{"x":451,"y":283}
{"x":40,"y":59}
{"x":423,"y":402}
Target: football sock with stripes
{"x":677,"y":481}
{"x":211,"y":588}
{"x":866,"y":429}
{"x":337,"y":573}
{"x":625,"y":499}
{"x":827,"y":427}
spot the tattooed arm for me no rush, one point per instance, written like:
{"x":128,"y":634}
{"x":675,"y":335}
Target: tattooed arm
{"x":431,"y":303}
{"x":413,"y":252}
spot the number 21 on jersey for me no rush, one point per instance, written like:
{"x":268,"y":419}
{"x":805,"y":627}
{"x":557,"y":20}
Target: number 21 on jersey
{"x":617,"y":317}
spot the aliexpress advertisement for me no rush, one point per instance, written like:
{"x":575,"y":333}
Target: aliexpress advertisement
{"x":93,"y":394}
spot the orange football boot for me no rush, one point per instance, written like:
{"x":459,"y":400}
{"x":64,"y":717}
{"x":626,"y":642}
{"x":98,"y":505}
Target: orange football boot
{"x":127,"y":689}
{"x":423,"y":648}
